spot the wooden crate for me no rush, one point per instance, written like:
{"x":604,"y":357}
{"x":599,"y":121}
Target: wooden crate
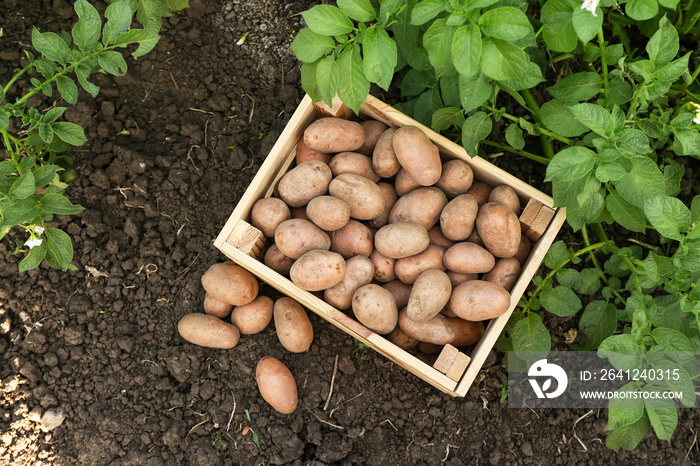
{"x":245,"y":245}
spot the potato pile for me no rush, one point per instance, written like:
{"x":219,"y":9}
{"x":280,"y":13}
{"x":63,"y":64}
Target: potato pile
{"x":373,"y":221}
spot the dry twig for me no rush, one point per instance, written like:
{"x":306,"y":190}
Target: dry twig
{"x":573,"y":429}
{"x":330,"y":392}
{"x":325,"y":422}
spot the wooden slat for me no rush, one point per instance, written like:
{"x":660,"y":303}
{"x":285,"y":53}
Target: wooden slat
{"x":538,"y":227}
{"x":248,"y":239}
{"x":338,"y":110}
{"x":529,"y":214}
{"x":458,"y":366}
{"x":447,"y":356}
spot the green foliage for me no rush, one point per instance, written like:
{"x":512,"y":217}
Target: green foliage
{"x":33,"y":177}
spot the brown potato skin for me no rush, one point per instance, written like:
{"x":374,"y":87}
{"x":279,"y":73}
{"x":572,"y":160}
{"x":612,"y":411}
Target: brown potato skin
{"x":299,"y":212}
{"x":375,"y":308}
{"x":277,"y":261}
{"x":481,"y":192}
{"x":523,"y":249}
{"x":479,"y":300}
{"x":359,"y":271}
{"x":214,"y":307}
{"x":400,"y":291}
{"x":505,"y":273}
{"x":353,"y":162}
{"x":364,"y":197}
{"x":230,"y":283}
{"x":398,"y":240}
{"x":353,"y":239}
{"x":458,"y":217}
{"x":384,"y":161}
{"x":304,"y":153}
{"x":466,"y":257}
{"x":403,"y":183}
{"x":409,"y":268}
{"x":429,"y":294}
{"x":499,"y":229}
{"x":475,"y":238}
{"x":208,"y":331}
{"x":457,"y":177}
{"x":504,"y":194}
{"x":295,"y":237}
{"x":429,"y":348}
{"x":334,"y":135}
{"x":373,"y":130}
{"x":318,"y":270}
{"x":390,"y":198}
{"x":328,"y":213}
{"x":293,"y":326}
{"x":422,"y":205}
{"x":457,"y":278}
{"x":418,"y":155}
{"x":268,"y":213}
{"x":436,"y":330}
{"x":253,"y":317}
{"x":277,"y":385}
{"x":400,"y":339}
{"x":467,"y":332}
{"x":304,"y":182}
{"x":438,"y":238}
{"x":383,"y":267}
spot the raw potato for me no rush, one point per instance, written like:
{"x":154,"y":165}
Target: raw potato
{"x":481,"y":192}
{"x":318,"y":270}
{"x":364,"y":197}
{"x":468,"y":257}
{"x":457,"y":278}
{"x":375,"y":308}
{"x":214,"y":307}
{"x":359,"y":271}
{"x":504,"y":194}
{"x":268,"y":213}
{"x":384,"y":159}
{"x":457,"y":177}
{"x":373,"y":130}
{"x":418,"y":155}
{"x":277,"y":385}
{"x":253,"y":317}
{"x":328,"y":213}
{"x":504,"y":273}
{"x":475,"y":238}
{"x":398,"y":240}
{"x":278,"y":261}
{"x":403,"y":183}
{"x":458,"y":217}
{"x":499,"y":229}
{"x":305,"y":153}
{"x":422,"y":205}
{"x":429,"y":348}
{"x":523,"y":250}
{"x":479,"y":300}
{"x":438,"y":238}
{"x":383,"y":267}
{"x":304,"y":182}
{"x":436,"y":330}
{"x":467,"y":332}
{"x":299,"y":212}
{"x":293,"y":326}
{"x":429,"y":294}
{"x":400,"y":291}
{"x":296,"y":236}
{"x":390,"y":198}
{"x":334,"y":135}
{"x":230,"y":283}
{"x":409,"y":268}
{"x":209,"y":331}
{"x":352,"y":162}
{"x":400,"y":339}
{"x":353,"y":239}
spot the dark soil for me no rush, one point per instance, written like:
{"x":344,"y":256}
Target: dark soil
{"x":172,"y":147}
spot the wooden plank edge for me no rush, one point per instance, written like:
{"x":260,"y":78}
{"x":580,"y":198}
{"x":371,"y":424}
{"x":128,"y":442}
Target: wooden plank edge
{"x":458,"y":366}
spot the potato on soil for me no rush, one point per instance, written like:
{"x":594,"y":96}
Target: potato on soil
{"x":418,"y":155}
{"x":278,"y":261}
{"x":328,"y":213}
{"x":384,"y":161}
{"x":364,"y":197}
{"x":383,"y":267}
{"x":457,"y":177}
{"x":504,"y":194}
{"x":403,"y":183}
{"x":209,"y":331}
{"x":352,"y":162}
{"x":479,"y":300}
{"x":422,"y":205}
{"x":467,"y":332}
{"x":296,"y":236}
{"x":499,"y":229}
{"x":359,"y":271}
{"x":293,"y":326}
{"x":375,"y":308}
{"x":304,"y":182}
{"x":215,"y":307}
{"x":400,"y":291}
{"x":353,"y":239}
{"x":305,"y":153}
{"x":504,"y":273}
{"x":390,"y":198}
{"x":268,"y":213}
{"x":429,"y":294}
{"x":481,"y":192}
{"x":436,"y":330}
{"x":400,"y":339}
{"x":253,"y":317}
{"x":373,"y":130}
{"x":230,"y":283}
{"x":277,"y":385}
{"x":409,"y":268}
{"x":334,"y":135}
{"x":318,"y":270}
{"x":404,"y":239}
{"x":466,"y":257}
{"x":458,"y":217}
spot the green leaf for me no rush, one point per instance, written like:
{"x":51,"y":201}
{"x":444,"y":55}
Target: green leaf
{"x":530,"y":334}
{"x":586,"y":24}
{"x":670,"y":340}
{"x":557,"y":117}
{"x":641,"y":10}
{"x":68,"y":89}
{"x":633,"y":142}
{"x":505,"y":23}
{"x":83,"y":73}
{"x":687,"y":141}
{"x":2,"y":93}
{"x":578,"y":87}
{"x":668,"y":215}
{"x":44,"y":175}
{"x":623,"y":351}
{"x":447,"y":117}
{"x":663,"y":45}
{"x":503,"y":61}
{"x":426,"y":105}
{"x":4,"y":119}
{"x":327,"y":20}
{"x":514,"y":136}
{"x":353,"y":86}
{"x":661,"y":412}
{"x":598,"y":322}
{"x":58,"y":204}
{"x":359,"y":10}
{"x":309,"y":82}
{"x":70,"y":133}
{"x":146,"y":38}
{"x":415,"y":82}
{"x":589,"y":204}
{"x":437,"y":40}
{"x":327,"y":78}
{"x":449,"y":90}
{"x":474,"y":91}
{"x":618,"y":92}
{"x":380,"y":57}
{"x":695,"y":209}
{"x":409,"y":43}
{"x":112,"y":62}
{"x":626,"y":410}
{"x":7,"y":167}
{"x":45,"y":132}
{"x":590,"y":281}
{"x":561,"y":301}
{"x":466,"y":50}
{"x":88,"y":29}
{"x":644,"y":181}
{"x":624,"y":213}
{"x":60,"y":249}
{"x":628,"y":437}
{"x":33,"y":259}
{"x":475,"y":128}
{"x":557,"y":18}
{"x":672,"y":71}
{"x":309,"y":46}
{"x":51,"y":46}
{"x":426,"y":10}
{"x":683,"y":384}
{"x":570,"y":164}
{"x":594,"y":117}
{"x":683,"y":119}
{"x":670,"y":4}
{"x":570,"y":278}
{"x":53,"y":114}
{"x":23,"y":187}
{"x":609,"y":171}
{"x":119,"y":15}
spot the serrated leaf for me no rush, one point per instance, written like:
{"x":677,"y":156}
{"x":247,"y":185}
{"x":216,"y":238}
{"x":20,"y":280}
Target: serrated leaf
{"x":668,"y":215}
{"x":598,"y":322}
{"x":466,"y":50}
{"x":353,"y":86}
{"x":587,"y":24}
{"x":33,"y":259}
{"x":359,"y":10}
{"x":51,"y":46}
{"x":505,"y":23}
{"x":112,"y":62}
{"x":23,"y":187}
{"x":68,"y":89}
{"x":70,"y":133}
{"x":624,"y":213}
{"x":474,"y":91}
{"x":88,"y":29}
{"x":557,"y":117}
{"x":60,"y":248}
{"x":119,"y":15}
{"x":475,"y":128}
{"x":663,"y":45}
{"x":426,"y":10}
{"x":309,"y":46}
{"x":514,"y":136}
{"x":577,"y":87}
{"x":628,"y":437}
{"x":327,"y":20}
{"x":380,"y":57}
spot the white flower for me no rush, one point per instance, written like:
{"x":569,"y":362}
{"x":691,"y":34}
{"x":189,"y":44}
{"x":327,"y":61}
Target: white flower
{"x":39,"y":230}
{"x":590,"y":5}
{"x":696,"y":107}
{"x":31,"y":242}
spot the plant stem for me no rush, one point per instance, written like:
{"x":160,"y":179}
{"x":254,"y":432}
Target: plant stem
{"x":15,"y":78}
{"x":539,"y":126}
{"x":694,"y":76}
{"x":561,"y":57}
{"x":603,"y":64}
{"x":601,"y":234}
{"x":546,"y":145}
{"x":525,"y":154}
